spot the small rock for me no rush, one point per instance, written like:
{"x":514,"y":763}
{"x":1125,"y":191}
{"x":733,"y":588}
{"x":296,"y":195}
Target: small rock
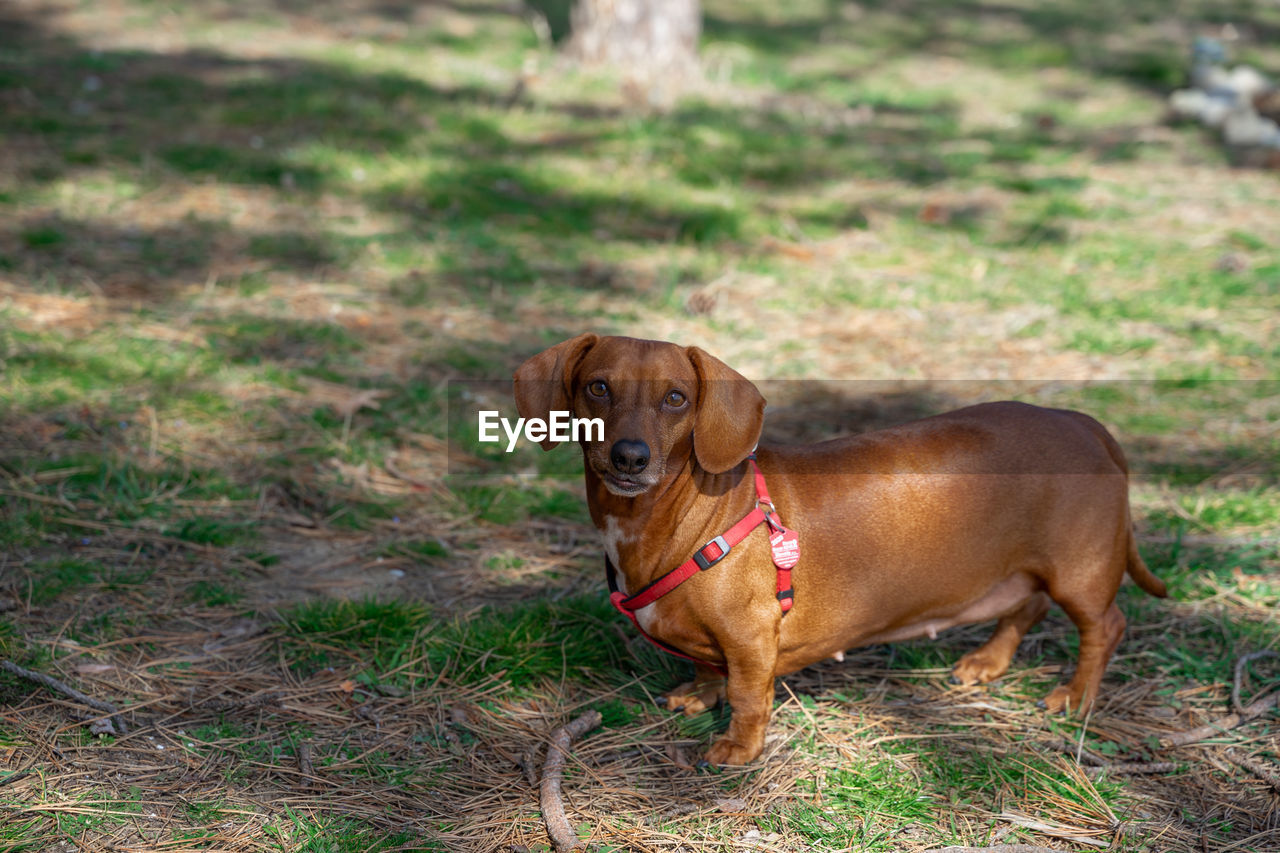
{"x":1233,"y":262}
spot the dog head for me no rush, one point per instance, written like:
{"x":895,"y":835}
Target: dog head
{"x":660,"y":403}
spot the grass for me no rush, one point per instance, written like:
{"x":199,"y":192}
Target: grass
{"x":864,"y":806}
{"x":408,"y":646}
{"x":259,"y":267}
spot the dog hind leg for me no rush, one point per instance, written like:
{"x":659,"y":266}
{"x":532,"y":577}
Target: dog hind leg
{"x":1099,"y":636}
{"x":693,"y":697}
{"x":991,"y":660}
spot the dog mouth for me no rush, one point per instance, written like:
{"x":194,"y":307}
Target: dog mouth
{"x":622,"y":486}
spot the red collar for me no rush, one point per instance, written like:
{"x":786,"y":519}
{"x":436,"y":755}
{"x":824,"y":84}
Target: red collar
{"x":707,"y":556}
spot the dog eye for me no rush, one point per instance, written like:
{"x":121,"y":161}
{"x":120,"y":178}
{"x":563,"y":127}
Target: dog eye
{"x":675,"y":399}
{"x":598,"y":388}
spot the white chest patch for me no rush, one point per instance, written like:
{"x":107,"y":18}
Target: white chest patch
{"x":646,"y":617}
{"x":613,"y":537}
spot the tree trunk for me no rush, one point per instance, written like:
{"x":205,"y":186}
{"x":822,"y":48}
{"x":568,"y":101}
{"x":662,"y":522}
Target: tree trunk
{"x":653,"y":41}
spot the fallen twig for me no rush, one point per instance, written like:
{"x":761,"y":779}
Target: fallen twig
{"x":999,"y":848}
{"x":1082,"y":755}
{"x":1230,"y":721}
{"x":1239,"y":716}
{"x":1253,"y":710}
{"x":222,"y":706}
{"x":16,"y":777}
{"x":562,"y":835}
{"x":114,"y":725}
{"x":390,"y":464}
{"x":528,"y":764}
{"x":1257,"y":768}
{"x":304,"y":761}
{"x":1133,"y":767}
{"x":1240,"y":665}
{"x":1055,"y":830}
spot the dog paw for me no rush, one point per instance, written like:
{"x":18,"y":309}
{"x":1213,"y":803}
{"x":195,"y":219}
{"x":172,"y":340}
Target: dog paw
{"x":725,"y":751}
{"x":1060,"y":701}
{"x":977,"y":668}
{"x":691,"y":700}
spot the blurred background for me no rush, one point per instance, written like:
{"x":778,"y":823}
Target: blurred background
{"x":252,"y":253}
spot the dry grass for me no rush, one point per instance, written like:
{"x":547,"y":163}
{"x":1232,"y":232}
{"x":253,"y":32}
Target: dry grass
{"x":220,"y":725}
{"x":190,"y":352}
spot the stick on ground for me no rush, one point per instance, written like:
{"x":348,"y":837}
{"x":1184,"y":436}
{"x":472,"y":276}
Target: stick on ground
{"x":562,"y":835}
{"x":999,"y":848}
{"x":1225,"y":724}
{"x":1253,"y":710}
{"x":1257,"y":768}
{"x":1240,"y":665}
{"x":116,"y":724}
{"x":1134,"y":768}
{"x":305,"y":767}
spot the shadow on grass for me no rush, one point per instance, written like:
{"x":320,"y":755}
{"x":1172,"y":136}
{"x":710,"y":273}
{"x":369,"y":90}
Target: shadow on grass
{"x":1153,"y":52}
{"x":295,"y":131}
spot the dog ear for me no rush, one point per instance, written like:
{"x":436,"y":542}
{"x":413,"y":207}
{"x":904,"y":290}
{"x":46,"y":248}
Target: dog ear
{"x":730,"y":413}
{"x":544,"y":383}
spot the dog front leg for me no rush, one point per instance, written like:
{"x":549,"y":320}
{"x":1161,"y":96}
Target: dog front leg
{"x":750,"y":694}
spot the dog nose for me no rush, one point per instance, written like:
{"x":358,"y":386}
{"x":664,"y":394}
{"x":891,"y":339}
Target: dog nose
{"x":629,"y":457}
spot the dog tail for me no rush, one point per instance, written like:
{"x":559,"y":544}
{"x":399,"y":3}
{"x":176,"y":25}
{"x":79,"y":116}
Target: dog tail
{"x":1138,"y":570}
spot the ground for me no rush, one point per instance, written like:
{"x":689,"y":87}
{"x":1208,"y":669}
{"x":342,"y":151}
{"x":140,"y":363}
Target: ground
{"x":257,"y":258}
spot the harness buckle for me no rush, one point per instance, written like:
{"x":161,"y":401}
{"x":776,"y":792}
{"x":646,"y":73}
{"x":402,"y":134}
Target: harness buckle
{"x":704,"y":562}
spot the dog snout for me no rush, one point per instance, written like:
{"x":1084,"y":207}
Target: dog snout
{"x":629,"y":457}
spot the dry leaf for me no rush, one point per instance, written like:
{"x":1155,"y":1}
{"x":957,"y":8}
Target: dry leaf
{"x":343,"y":399}
{"x":92,"y":668}
{"x":730,"y":805}
{"x":364,"y":399}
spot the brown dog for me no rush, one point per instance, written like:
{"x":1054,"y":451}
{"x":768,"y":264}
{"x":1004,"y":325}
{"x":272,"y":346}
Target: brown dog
{"x":985,"y":513}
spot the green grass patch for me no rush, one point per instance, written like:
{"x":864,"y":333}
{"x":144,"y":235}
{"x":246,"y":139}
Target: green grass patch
{"x":44,"y":237}
{"x":214,"y":594}
{"x":318,"y":833}
{"x":107,"y":624}
{"x":865,"y":806}
{"x":217,"y":532}
{"x":420,"y":549}
{"x":12,"y":647}
{"x":20,"y":835}
{"x":1110,"y":341}
{"x":238,"y":166}
{"x":1194,"y":572}
{"x":1222,"y":510}
{"x":51,"y":578}
{"x":99,"y":812}
{"x":253,"y":339}
{"x":126,"y":490}
{"x":512,"y":503}
{"x":404,"y":643}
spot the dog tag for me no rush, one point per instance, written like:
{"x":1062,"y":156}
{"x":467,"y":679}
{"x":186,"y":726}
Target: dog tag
{"x":786,"y":547}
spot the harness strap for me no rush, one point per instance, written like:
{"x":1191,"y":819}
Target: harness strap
{"x":617,"y":599}
{"x":704,"y":558}
{"x":786,"y":595}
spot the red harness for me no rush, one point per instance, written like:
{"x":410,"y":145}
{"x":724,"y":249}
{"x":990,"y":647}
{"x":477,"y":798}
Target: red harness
{"x":785,"y":554}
